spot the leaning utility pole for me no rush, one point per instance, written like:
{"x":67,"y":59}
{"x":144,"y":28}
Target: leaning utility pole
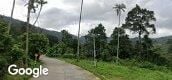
{"x":79,"y":30}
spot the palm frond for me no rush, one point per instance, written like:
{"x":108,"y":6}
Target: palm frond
{"x":119,"y":7}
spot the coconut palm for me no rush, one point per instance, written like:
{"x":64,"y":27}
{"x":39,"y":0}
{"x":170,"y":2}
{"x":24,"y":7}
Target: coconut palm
{"x":31,"y":7}
{"x":41,"y":3}
{"x":119,"y":8}
{"x":12,"y":11}
{"x":79,"y":30}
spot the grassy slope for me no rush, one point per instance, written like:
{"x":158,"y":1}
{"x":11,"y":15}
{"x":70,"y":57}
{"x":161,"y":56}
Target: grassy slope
{"x":110,"y":71}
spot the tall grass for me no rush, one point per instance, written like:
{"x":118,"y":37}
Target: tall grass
{"x":111,"y":71}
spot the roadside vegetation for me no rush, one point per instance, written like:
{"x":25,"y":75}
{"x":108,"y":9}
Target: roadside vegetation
{"x":12,"y":50}
{"x":111,"y":58}
{"x":141,"y":59}
{"x":112,"y":71}
{"x":20,"y":49}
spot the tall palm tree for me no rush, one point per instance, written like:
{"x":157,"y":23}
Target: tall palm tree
{"x":31,"y":6}
{"x":41,"y":2}
{"x":79,"y":30}
{"x":12,"y":11}
{"x":119,"y":8}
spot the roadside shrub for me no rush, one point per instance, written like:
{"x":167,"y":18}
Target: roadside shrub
{"x":106,"y":56}
{"x":38,"y":43}
{"x":70,"y":56}
{"x":147,"y":65}
{"x":3,"y":64}
{"x":50,"y":52}
{"x":58,"y":49}
{"x":161,"y":68}
{"x":16,"y":53}
{"x":69,"y":51}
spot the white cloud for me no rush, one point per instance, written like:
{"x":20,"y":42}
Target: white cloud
{"x":64,"y":14}
{"x":162,"y":32}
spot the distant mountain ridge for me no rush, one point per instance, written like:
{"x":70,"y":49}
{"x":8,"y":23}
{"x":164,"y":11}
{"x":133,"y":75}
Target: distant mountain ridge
{"x":160,"y":40}
{"x":18,"y":27}
{"x":54,"y":36}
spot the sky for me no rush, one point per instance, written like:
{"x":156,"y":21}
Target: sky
{"x":64,"y":14}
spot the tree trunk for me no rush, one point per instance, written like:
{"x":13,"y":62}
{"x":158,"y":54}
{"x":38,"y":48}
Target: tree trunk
{"x":117,"y":55}
{"x":27,"y":32}
{"x":140,"y":44}
{"x":79,"y":30}
{"x":140,"y":38}
{"x":12,"y":11}
{"x":94,"y":50}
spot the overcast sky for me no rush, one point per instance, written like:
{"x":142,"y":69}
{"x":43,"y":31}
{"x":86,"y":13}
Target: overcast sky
{"x":64,"y":14}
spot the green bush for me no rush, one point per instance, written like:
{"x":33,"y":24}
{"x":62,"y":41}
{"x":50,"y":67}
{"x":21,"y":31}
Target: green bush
{"x":70,"y":56}
{"x":3,"y":64}
{"x":52,"y":52}
{"x":16,"y":53}
{"x":38,"y":43}
{"x":69,"y":51}
{"x":147,"y":65}
{"x":106,"y":56}
{"x":57,"y":50}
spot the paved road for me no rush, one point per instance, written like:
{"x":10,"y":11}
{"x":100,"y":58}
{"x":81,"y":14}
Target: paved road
{"x":60,"y":70}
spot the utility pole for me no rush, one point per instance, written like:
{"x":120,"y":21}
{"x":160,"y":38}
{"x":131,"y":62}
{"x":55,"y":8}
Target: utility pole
{"x":79,"y":30}
{"x":94,"y":42}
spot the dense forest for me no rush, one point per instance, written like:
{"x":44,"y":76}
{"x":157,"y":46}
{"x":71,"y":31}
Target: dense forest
{"x":119,"y":48}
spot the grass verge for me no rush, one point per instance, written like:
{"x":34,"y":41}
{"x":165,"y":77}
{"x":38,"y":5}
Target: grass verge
{"x":111,"y":71}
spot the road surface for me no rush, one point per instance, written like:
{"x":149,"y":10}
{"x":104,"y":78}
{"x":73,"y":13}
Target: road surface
{"x":60,"y":70}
